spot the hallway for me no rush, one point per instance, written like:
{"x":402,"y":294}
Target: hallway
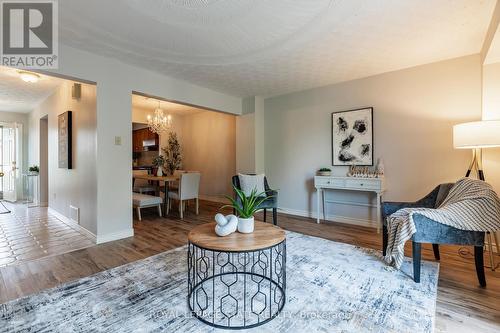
{"x":33,"y":233}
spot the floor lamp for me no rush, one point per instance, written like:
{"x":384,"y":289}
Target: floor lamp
{"x":476,"y":136}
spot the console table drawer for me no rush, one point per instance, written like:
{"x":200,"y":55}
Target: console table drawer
{"x":327,"y":182}
{"x":372,"y":184}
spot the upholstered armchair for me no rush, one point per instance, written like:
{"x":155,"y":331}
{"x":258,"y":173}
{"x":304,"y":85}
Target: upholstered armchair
{"x":430,"y":231}
{"x":270,"y":203}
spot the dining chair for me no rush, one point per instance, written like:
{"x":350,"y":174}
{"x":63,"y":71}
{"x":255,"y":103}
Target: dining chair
{"x":174,"y":186}
{"x":142,"y":185}
{"x":189,"y":185}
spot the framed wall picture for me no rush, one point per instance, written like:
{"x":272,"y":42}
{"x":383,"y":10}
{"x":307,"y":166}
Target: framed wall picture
{"x":352,"y":137}
{"x":65,"y":135}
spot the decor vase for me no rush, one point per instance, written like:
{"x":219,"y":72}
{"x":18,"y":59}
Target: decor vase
{"x":159,"y":172}
{"x":245,"y":226}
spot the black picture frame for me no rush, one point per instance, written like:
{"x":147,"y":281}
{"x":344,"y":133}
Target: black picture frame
{"x":65,"y":140}
{"x":335,"y":139}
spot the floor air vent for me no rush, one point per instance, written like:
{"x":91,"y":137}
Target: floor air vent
{"x":74,"y":214}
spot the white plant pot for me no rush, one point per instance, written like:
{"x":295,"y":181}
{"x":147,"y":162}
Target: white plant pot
{"x":245,"y":226}
{"x":159,"y":173}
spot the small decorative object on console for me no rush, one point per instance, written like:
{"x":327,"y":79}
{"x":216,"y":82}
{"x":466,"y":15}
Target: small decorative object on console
{"x":380,"y":167}
{"x":226,"y":225}
{"x":364,"y":172}
{"x":324,"y":172}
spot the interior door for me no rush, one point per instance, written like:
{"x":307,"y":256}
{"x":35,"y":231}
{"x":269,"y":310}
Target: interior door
{"x":9,"y":160}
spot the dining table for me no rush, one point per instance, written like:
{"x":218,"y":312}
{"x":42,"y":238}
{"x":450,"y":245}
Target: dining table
{"x":158,"y":180}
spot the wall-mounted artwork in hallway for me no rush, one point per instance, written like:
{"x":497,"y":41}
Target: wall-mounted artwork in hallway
{"x":64,"y":132}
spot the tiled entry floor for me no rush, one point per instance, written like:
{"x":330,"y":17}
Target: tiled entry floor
{"x":33,"y":233}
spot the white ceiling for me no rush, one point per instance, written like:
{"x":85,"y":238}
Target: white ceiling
{"x":19,"y":96}
{"x":150,"y":104}
{"x":245,"y":47}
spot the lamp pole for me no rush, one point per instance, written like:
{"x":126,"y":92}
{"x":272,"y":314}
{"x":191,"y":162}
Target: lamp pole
{"x":476,"y":163}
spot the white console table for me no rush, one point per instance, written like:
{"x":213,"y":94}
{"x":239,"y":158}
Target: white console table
{"x":376,"y":185}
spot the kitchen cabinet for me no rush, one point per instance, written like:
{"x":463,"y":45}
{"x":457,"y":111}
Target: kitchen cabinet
{"x":141,"y":135}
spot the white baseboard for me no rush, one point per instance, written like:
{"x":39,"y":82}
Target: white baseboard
{"x":115,"y":236}
{"x":97,"y":239}
{"x":329,"y":217}
{"x":72,"y":224}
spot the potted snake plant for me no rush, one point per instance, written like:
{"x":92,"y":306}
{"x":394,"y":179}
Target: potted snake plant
{"x":246,"y":207}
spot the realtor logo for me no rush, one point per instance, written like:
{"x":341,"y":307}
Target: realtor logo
{"x":29,"y":34}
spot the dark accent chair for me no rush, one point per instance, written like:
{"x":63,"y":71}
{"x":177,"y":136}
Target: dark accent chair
{"x":271,"y":203}
{"x":430,"y":231}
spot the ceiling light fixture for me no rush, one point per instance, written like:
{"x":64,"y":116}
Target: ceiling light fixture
{"x":159,"y":122}
{"x":29,"y":76}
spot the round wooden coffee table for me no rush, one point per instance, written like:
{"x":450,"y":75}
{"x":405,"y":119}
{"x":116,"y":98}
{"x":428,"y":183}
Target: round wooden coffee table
{"x":237,"y":281}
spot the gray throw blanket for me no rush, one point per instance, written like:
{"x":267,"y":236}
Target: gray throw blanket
{"x":470,"y":205}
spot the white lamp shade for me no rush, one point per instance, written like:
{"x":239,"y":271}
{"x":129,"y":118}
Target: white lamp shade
{"x":477,"y":134}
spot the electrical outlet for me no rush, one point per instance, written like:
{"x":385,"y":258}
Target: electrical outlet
{"x":118,"y":140}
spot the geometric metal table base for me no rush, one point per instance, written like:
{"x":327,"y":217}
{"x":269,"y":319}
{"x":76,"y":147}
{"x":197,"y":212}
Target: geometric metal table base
{"x":236,"y":289}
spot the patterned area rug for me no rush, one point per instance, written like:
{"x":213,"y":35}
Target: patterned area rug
{"x":331,"y":287}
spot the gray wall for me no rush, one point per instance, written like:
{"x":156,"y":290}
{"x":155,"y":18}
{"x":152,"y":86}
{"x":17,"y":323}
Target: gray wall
{"x":414,"y":111}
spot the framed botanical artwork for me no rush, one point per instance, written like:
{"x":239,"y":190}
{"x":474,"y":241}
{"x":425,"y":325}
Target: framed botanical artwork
{"x":64,"y":135}
{"x":352,"y":137}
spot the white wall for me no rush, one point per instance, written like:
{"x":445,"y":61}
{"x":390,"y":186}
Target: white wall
{"x":250,"y":136}
{"x":491,"y":91}
{"x":77,"y":186}
{"x":115,"y":83}
{"x":414,"y":111}
{"x":491,"y":111}
{"x":245,"y":143}
{"x":260,"y":141}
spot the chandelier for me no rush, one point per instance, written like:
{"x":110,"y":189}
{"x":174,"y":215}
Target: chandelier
{"x":159,"y":122}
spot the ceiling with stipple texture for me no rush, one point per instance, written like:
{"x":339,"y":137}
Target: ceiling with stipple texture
{"x":245,"y":47}
{"x":19,"y":96}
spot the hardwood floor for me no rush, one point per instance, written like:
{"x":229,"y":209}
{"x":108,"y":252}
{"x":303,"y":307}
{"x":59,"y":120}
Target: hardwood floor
{"x":462,"y":306}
